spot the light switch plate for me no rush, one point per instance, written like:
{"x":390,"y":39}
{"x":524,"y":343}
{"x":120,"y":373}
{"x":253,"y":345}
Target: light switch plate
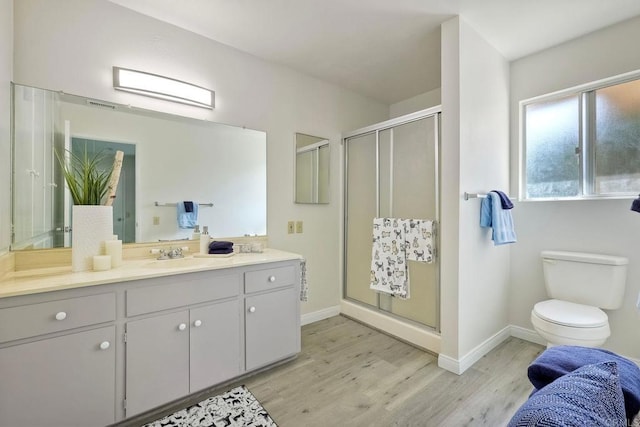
{"x":291,"y":227}
{"x":298,"y":226}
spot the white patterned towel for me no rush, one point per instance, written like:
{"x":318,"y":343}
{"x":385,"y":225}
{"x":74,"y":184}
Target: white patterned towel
{"x":419,"y":239}
{"x":396,"y":241}
{"x":388,"y":258}
{"x":304,"y":286}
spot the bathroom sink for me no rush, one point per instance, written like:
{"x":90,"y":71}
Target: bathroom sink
{"x":177,"y":263}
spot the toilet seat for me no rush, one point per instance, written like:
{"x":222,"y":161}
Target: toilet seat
{"x":563,"y":322}
{"x":570,"y":314}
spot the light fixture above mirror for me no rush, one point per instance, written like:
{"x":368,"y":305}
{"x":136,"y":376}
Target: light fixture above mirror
{"x":157,"y":86}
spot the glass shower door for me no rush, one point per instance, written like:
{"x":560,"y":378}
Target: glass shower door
{"x":392,"y":172}
{"x":361,"y":205}
{"x":408,"y":189}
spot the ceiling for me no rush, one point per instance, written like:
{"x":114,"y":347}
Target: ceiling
{"x":388,"y":50}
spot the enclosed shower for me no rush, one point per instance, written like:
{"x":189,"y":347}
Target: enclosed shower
{"x":391,"y":171}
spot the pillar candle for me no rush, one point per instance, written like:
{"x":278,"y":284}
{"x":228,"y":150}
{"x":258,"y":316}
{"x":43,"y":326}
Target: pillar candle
{"x":114,"y":248}
{"x":101,"y":262}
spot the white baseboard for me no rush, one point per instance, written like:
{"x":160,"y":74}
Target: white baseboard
{"x":527,"y":335}
{"x":458,"y":366}
{"x":316,"y":316}
{"x":532,"y":336}
{"x":411,"y":333}
{"x":449,"y":363}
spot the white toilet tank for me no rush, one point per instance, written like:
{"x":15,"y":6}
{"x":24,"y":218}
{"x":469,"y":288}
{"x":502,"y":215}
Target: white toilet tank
{"x":589,"y":279}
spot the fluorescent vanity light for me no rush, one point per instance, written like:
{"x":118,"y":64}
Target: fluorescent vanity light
{"x":161,"y":87}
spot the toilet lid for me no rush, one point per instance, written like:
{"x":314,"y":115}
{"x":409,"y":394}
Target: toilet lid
{"x":570,"y":314}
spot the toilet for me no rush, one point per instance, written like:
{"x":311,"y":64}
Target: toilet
{"x":580,"y":285}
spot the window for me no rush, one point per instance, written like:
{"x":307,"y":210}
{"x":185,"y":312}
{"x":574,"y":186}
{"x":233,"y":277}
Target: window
{"x":583,"y":143}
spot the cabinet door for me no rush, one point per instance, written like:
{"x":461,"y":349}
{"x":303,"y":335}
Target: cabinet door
{"x":62,"y":381}
{"x":215,"y":344}
{"x":272,"y":327}
{"x":157,"y":361}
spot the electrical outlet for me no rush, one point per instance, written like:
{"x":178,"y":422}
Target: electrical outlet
{"x":290,"y":227}
{"x":298,"y":226}
{"x":156,"y":220}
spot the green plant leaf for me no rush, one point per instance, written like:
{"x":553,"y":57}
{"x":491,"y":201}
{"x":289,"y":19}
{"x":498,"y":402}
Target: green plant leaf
{"x":88,"y":183}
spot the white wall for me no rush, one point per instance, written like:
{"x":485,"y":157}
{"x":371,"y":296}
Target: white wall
{"x":475,"y":273}
{"x":6,"y":69}
{"x":221,"y":164}
{"x":415,"y":103}
{"x":603,"y":226}
{"x":71,"y":45}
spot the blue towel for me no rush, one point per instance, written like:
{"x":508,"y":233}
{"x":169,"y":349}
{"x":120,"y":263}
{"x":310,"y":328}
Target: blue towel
{"x":504,"y":200}
{"x":557,"y":361}
{"x":217,"y":245}
{"x":187,"y":219}
{"x":492,"y":215}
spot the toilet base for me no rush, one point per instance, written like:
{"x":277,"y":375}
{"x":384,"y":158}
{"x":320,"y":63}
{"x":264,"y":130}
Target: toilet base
{"x":554,"y":340}
{"x":565,"y":335}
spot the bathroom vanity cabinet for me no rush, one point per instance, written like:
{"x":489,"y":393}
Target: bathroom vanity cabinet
{"x":171,"y":355}
{"x":95,"y":355}
{"x":269,"y":306}
{"x":47,"y":371}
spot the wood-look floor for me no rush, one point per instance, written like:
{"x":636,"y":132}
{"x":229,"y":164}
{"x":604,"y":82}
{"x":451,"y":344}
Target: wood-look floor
{"x":351,"y":375}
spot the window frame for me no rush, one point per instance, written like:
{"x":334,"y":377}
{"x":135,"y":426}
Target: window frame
{"x":586,"y":128}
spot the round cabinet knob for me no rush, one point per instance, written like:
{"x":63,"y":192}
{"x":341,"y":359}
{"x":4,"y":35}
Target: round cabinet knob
{"x":197,"y":323}
{"x":272,"y":279}
{"x":182,"y":326}
{"x":252,"y":309}
{"x":105,"y":345}
{"x":61,"y":315}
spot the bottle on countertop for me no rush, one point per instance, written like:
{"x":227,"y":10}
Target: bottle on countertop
{"x":196,"y":233}
{"x":204,"y":240}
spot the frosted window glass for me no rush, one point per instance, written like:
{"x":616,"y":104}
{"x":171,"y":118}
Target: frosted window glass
{"x":552,"y":135}
{"x":617,"y":138}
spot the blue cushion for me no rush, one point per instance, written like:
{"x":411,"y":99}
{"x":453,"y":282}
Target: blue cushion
{"x":589,"y":396}
{"x":557,"y":361}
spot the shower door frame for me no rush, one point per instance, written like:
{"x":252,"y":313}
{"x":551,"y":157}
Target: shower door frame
{"x":436,"y":113}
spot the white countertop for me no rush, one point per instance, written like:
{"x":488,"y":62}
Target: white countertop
{"x":54,"y":279}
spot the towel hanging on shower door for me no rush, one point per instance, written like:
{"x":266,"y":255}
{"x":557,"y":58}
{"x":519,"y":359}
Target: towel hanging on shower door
{"x":395,"y":242}
{"x":388,"y":258}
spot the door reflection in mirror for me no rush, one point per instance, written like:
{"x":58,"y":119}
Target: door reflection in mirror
{"x":312,"y":169}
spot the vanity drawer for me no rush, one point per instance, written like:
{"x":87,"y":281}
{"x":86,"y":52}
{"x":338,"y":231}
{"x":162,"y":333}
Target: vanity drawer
{"x":38,"y":319}
{"x":262,"y":280}
{"x":180,"y":292}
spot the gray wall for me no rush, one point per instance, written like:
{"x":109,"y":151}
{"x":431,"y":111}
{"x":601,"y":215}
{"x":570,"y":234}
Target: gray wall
{"x":71,"y":45}
{"x":601,"y":226}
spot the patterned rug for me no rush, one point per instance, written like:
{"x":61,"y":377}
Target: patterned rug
{"x":235,"y":408}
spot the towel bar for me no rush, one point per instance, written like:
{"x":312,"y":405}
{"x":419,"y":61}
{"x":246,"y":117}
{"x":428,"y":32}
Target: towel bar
{"x":210,"y":204}
{"x":468,"y":196}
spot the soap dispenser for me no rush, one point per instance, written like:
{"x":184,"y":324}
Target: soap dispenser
{"x":196,"y":233}
{"x":204,"y":240}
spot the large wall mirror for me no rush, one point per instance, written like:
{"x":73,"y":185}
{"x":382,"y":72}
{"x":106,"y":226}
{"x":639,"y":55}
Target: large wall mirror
{"x":168,"y":160}
{"x":312,"y":169}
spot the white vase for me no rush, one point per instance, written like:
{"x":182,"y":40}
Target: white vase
{"x":90,"y":227}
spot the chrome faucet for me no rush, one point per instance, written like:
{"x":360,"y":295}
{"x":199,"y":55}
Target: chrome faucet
{"x":171,"y":253}
{"x":175,"y":253}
